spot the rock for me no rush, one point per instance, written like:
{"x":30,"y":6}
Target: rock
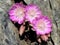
{"x":8,"y":32}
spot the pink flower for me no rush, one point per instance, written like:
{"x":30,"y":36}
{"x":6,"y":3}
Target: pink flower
{"x":42,"y":25}
{"x":32,"y":12}
{"x":17,"y":13}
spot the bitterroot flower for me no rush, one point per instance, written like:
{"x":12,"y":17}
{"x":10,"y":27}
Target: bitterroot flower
{"x":42,"y":25}
{"x":32,"y":12}
{"x":17,"y":13}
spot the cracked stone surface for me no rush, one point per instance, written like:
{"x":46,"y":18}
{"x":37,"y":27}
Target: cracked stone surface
{"x":8,"y":32}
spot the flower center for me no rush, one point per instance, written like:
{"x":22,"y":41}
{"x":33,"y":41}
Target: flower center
{"x":41,"y":25}
{"x":31,"y":13}
{"x":19,"y":12}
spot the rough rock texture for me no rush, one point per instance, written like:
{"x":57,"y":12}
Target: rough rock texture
{"x":9,"y":33}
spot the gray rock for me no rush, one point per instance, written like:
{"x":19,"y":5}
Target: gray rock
{"x":8,"y":32}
